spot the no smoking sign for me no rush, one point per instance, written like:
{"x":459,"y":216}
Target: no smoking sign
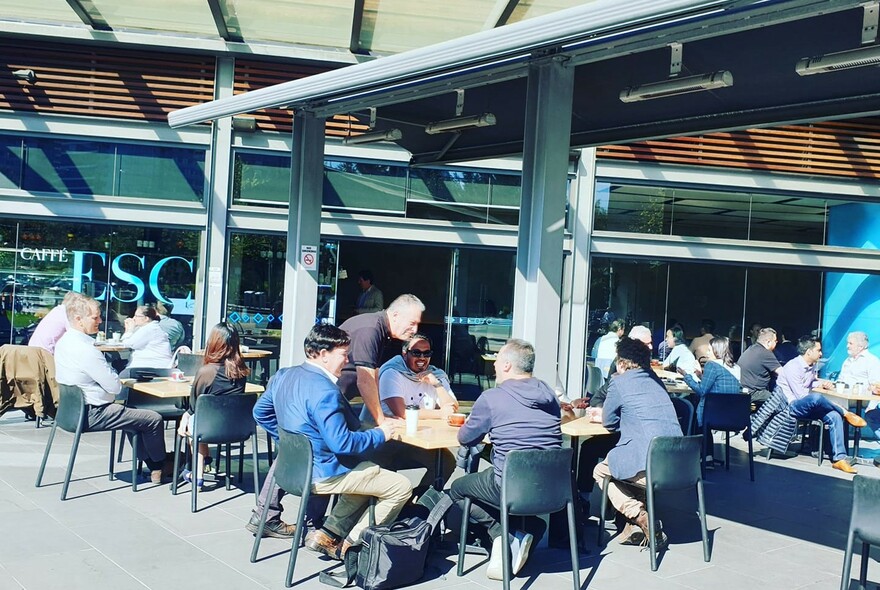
{"x":309,"y":257}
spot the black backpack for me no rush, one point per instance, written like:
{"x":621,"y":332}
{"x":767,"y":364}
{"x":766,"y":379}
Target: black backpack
{"x":390,"y":556}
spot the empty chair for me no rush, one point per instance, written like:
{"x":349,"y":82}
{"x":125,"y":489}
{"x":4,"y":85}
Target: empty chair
{"x":72,"y":416}
{"x":864,"y":526}
{"x":684,"y":410}
{"x":224,"y":419}
{"x":189,"y":363}
{"x":673,"y":464}
{"x":532,"y":483}
{"x":594,"y":380}
{"x":729,"y":412}
{"x":293,"y":473}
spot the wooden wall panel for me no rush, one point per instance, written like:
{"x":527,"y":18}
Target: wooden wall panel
{"x":848,"y":148}
{"x":102,"y":82}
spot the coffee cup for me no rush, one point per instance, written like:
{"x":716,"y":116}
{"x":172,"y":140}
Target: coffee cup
{"x":412,"y":420}
{"x":456,"y":419}
{"x":117,"y":336}
{"x":177,"y":375}
{"x":243,"y":349}
{"x":841,"y":387}
{"x":579,"y":412}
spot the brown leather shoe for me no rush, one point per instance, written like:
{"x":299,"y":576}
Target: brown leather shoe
{"x":321,"y":542}
{"x":844,"y":465}
{"x":854,"y":419}
{"x":343,"y":549}
{"x":631,"y":535}
{"x":274,"y":528}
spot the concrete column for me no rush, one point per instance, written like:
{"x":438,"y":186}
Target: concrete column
{"x":211,"y":306}
{"x":573,"y":343}
{"x":538,"y":285}
{"x":303,"y":236}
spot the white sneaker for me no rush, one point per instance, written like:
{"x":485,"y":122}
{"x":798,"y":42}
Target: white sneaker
{"x":495,"y":571}
{"x":519,"y":549}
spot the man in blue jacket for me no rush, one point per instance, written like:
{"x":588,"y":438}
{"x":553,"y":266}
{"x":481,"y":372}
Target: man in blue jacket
{"x":306,"y":400}
{"x":639,"y":408}
{"x":521,"y":412}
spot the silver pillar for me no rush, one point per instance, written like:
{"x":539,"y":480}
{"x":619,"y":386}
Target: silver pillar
{"x":303,"y":236}
{"x":573,"y":344}
{"x":210,"y":308}
{"x":538,"y":286}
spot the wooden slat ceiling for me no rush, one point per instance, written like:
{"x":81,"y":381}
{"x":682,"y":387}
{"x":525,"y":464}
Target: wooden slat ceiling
{"x":848,"y":148}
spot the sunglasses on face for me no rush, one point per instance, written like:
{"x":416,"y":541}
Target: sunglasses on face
{"x":420,"y":353}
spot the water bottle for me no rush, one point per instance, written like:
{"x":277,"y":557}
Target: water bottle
{"x":412,"y":420}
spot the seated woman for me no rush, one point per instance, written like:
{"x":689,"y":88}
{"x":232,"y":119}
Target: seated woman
{"x":720,"y":375}
{"x":680,"y":355}
{"x":148,"y":342}
{"x":223,"y":373}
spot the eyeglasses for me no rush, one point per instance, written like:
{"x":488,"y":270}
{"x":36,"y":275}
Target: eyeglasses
{"x":421,"y":353}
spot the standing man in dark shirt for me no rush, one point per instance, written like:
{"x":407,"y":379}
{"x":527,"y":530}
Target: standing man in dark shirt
{"x":369,"y":332}
{"x":759,"y":366}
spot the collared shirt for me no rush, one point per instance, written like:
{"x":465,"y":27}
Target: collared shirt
{"x":327,"y":373}
{"x":50,"y":329}
{"x":863,"y":368}
{"x":797,"y":379}
{"x":79,"y":362}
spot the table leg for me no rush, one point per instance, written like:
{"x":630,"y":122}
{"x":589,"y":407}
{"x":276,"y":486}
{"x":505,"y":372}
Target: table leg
{"x":438,"y":474}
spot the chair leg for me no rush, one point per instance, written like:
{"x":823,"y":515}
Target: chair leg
{"x":505,"y":549}
{"x":751,"y":455}
{"x":121,"y":447}
{"x":228,"y":467}
{"x":821,"y":443}
{"x":70,"y":461}
{"x":269,"y":448}
{"x":602,"y":504}
{"x":847,"y":561}
{"x":727,"y":450}
{"x":573,"y":546}
{"x":194,"y":486}
{"x":45,"y":456}
{"x":259,"y":534}
{"x":135,"y":462}
{"x":652,"y":527}
{"x":462,"y":539}
{"x":174,"y":477}
{"x":256,"y":455}
{"x":297,"y":538}
{"x":863,"y":567}
{"x":240,"y":463}
{"x":704,"y":531}
{"x":112,"y":454}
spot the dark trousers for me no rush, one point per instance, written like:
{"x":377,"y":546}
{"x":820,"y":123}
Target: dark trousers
{"x":485,"y":494}
{"x":272,"y":493}
{"x":147,"y":423}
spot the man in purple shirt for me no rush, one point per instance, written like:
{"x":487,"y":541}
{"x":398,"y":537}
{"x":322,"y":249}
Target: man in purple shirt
{"x":797,"y":380}
{"x":53,"y":325}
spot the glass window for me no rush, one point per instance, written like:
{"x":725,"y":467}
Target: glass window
{"x":710,"y":214}
{"x":70,"y":167}
{"x":360,"y":185}
{"x":261,"y":179}
{"x":449,"y":186}
{"x":161,"y":172}
{"x":121,"y":266}
{"x":11,"y":163}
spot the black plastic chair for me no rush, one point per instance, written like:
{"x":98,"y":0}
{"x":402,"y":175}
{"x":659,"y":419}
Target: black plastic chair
{"x":190,"y":363}
{"x":223,"y":419}
{"x":72,"y":416}
{"x":293,"y":473}
{"x":673,"y":464}
{"x":684,"y":411}
{"x":864,"y":525}
{"x":728,"y":412}
{"x":530,"y":486}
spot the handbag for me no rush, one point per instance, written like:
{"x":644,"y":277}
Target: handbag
{"x":390,"y":556}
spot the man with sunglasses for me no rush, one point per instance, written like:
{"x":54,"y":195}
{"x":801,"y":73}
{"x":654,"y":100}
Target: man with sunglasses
{"x":411,"y":380}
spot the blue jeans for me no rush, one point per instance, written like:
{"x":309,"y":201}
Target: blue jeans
{"x":816,"y":407}
{"x":873,"y":419}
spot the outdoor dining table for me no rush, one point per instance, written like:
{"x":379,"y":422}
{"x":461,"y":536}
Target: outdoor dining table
{"x":859,"y":399}
{"x":164,"y":387}
{"x":436,"y":435}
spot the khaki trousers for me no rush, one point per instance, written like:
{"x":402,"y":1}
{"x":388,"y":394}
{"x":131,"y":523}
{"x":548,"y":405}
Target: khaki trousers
{"x":355,"y":488}
{"x":626,"y":499}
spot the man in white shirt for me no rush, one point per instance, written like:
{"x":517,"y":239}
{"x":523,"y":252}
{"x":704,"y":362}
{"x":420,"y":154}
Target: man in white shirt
{"x":78,"y":362}
{"x":861,"y":366}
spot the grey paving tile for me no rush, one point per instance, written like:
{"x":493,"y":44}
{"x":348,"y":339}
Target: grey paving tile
{"x":36,"y":533}
{"x":8,"y":581}
{"x":72,"y":570}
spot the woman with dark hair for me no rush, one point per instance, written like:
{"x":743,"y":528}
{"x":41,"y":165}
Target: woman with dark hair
{"x":680,"y":355}
{"x":223,"y":373}
{"x":720,"y":375}
{"x":148,"y":342}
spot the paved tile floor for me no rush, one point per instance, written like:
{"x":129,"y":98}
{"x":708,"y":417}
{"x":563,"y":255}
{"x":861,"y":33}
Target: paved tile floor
{"x":784,"y":531}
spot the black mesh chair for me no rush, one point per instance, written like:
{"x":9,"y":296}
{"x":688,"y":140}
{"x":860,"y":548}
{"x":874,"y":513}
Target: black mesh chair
{"x":223,"y":419}
{"x":729,"y":412}
{"x":72,"y":417}
{"x":864,"y":526}
{"x":673,"y":464}
{"x":293,"y":473}
{"x":530,"y":486}
{"x":684,"y":411}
